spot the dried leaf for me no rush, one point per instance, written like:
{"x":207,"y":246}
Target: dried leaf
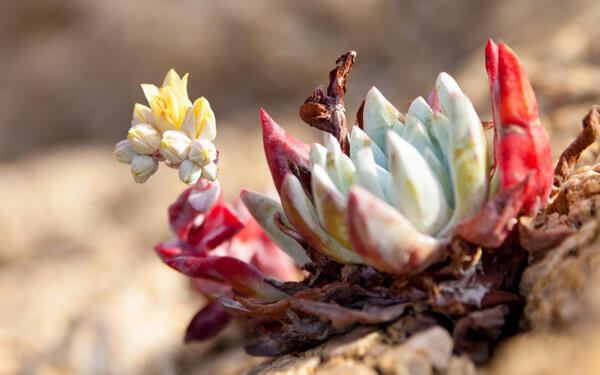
{"x":341,"y":316}
{"x":325,"y":111}
{"x":587,"y":136}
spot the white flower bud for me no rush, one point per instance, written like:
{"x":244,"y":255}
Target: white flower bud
{"x":199,"y":121}
{"x":124,"y":152}
{"x":202,"y":152}
{"x":209,"y":172}
{"x":142,"y":167}
{"x":144,"y":138}
{"x":175,"y":146}
{"x":189,"y":172}
{"x":141,"y":115}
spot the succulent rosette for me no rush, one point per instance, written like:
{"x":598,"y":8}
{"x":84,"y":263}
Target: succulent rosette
{"x":403,"y":214}
{"x":392,"y":193}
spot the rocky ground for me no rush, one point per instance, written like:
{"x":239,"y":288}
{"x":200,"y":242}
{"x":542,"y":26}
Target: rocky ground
{"x":82,"y":291}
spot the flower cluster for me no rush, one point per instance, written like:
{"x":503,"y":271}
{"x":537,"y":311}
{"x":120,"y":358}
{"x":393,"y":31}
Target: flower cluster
{"x":173,"y":130}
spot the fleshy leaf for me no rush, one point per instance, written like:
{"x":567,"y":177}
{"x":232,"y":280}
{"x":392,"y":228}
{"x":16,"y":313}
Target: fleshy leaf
{"x":421,"y":110}
{"x":468,"y":160}
{"x":359,"y":140}
{"x":339,"y":167}
{"x":263,"y":209}
{"x":303,"y":217}
{"x":330,"y":205}
{"x":242,"y":277}
{"x":415,"y":190}
{"x":192,"y":202}
{"x":379,"y":116}
{"x":220,"y":224}
{"x":212,"y":289}
{"x":491,"y":65}
{"x":385,"y":239}
{"x":280,"y":148}
{"x":207,"y":323}
{"x":369,"y":175}
{"x":318,"y":154}
{"x":524,"y":145}
{"x":446,"y":87}
{"x":490,"y":226}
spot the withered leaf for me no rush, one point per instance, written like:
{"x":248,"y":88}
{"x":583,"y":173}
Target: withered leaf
{"x":587,"y":136}
{"x":325,"y":111}
{"x":341,"y":316}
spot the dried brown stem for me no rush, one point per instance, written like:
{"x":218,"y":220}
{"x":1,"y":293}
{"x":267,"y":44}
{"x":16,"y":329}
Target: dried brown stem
{"x":325,"y":110}
{"x":587,"y":136}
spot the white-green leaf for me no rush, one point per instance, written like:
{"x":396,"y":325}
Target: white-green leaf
{"x":359,"y":140}
{"x":302,"y":215}
{"x":446,"y":87}
{"x":369,"y":175}
{"x":263,"y":209}
{"x":468,"y":159}
{"x":415,"y":190}
{"x":378,"y":117}
{"x":330,"y":204}
{"x":318,"y":154}
{"x":339,"y":167}
{"x":421,"y":110}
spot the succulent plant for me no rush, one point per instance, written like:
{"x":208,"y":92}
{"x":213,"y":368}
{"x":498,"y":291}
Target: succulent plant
{"x":392,"y":193}
{"x":401,"y":215}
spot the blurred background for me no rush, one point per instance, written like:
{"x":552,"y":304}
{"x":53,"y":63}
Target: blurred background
{"x":82,"y":290}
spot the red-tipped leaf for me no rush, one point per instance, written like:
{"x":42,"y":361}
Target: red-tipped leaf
{"x":282,"y":148}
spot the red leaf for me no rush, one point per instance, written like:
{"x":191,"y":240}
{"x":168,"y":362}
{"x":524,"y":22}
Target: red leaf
{"x":280,"y":148}
{"x":241,"y":276}
{"x":490,"y":226}
{"x":220,"y":224}
{"x":207,"y":323}
{"x":212,"y":289}
{"x":491,"y":65}
{"x":191,"y":203}
{"x":522,"y":144}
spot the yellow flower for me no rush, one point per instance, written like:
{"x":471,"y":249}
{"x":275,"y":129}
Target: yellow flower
{"x":171,"y":129}
{"x":168,"y":103}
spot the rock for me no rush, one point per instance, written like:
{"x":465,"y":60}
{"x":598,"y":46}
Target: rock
{"x":421,"y":354}
{"x":355,"y":344}
{"x":287,"y":365}
{"x":346,"y":367}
